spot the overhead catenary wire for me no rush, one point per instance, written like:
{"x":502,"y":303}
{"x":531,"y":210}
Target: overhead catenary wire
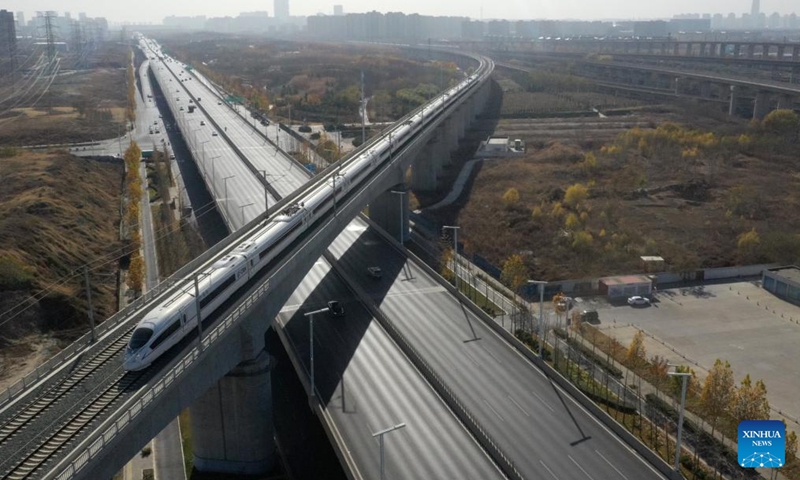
{"x":110,"y":258}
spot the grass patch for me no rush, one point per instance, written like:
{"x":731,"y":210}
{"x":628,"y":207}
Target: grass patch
{"x":57,"y":212}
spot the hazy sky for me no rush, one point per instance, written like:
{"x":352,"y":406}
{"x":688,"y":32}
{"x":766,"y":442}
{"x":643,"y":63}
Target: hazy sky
{"x":155,"y":10}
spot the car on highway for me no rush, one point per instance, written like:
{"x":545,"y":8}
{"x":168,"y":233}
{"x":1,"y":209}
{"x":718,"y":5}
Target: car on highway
{"x":638,"y":301}
{"x":202,"y":122}
{"x":336,"y":308}
{"x":374,"y":272}
{"x":214,"y":134}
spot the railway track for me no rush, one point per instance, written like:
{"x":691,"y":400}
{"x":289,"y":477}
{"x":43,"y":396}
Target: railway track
{"x":46,"y":400}
{"x":29,"y":464}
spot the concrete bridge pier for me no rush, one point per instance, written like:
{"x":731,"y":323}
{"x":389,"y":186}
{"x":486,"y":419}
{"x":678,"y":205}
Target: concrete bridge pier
{"x":762,"y":104}
{"x":705,"y":89}
{"x":427,"y":164}
{"x":795,"y":53}
{"x":460,"y":123}
{"x":735,"y":93}
{"x":781,"y":52}
{"x":751,"y":51}
{"x":737,"y":50}
{"x":390,"y":211}
{"x":676,"y":49}
{"x":232,"y":430}
{"x":785,"y":102}
{"x":724,"y":92}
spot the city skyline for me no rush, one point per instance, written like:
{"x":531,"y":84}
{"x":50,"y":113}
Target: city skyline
{"x":153,"y":11}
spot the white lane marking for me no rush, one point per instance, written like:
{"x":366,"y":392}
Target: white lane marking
{"x":417,"y":291}
{"x":543,"y":401}
{"x":548,"y":470}
{"x":495,"y":411}
{"x":472,"y":359}
{"x":611,"y":465}
{"x":492,"y":354}
{"x":578,"y":465}
{"x":518,"y":406}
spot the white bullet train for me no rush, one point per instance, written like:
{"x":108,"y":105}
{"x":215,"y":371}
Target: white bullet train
{"x":167,"y":323}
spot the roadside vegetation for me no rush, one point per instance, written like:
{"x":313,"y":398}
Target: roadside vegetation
{"x":695,"y":197}
{"x":177,"y":243}
{"x":648,"y":406}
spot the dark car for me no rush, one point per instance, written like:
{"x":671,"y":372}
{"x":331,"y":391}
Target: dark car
{"x":336,"y":308}
{"x":590,"y":316}
{"x":375,"y":272}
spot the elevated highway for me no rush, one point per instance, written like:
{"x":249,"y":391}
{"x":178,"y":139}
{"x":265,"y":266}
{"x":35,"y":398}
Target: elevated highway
{"x":491,"y":372}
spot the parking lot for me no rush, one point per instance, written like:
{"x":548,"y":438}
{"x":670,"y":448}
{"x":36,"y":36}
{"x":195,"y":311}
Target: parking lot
{"x":755,"y":331}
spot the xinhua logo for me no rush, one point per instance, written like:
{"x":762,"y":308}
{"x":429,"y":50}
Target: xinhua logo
{"x":762,"y":444}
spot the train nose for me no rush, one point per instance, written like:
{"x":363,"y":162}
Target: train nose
{"x":131,"y":361}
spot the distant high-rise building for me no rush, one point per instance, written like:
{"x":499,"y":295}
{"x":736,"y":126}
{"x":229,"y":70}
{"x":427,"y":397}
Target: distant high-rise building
{"x":281,"y":9}
{"x":82,"y":16}
{"x":68,"y":15}
{"x":20,"y":21}
{"x":8,"y":35}
{"x":755,"y":8}
{"x":338,"y":10}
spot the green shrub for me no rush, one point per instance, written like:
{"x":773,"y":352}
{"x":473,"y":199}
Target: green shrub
{"x":14,"y":275}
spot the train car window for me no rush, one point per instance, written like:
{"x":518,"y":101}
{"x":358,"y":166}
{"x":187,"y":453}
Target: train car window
{"x":166,"y":333}
{"x":214,"y":293}
{"x":140,"y":337}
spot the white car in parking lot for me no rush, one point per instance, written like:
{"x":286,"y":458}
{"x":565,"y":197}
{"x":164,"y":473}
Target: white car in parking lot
{"x":638,"y":301}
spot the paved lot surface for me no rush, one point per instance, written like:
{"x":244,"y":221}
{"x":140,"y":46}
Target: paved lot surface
{"x":755,"y":331}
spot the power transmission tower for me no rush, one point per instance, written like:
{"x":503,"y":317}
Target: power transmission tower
{"x":77,"y":42}
{"x":49,"y":32}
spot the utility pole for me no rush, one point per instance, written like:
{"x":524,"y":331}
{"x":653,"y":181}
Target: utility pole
{"x":89,"y":300}
{"x":363,"y":112}
{"x":199,"y":317}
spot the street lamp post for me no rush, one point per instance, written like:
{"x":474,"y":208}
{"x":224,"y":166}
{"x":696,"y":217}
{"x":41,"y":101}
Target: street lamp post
{"x":203,"y":148}
{"x":310,"y":316}
{"x":684,"y":378}
{"x":336,"y":174}
{"x":541,"y":284}
{"x":266,"y":193}
{"x":225,"y":184}
{"x":213,"y":168}
{"x":380,"y":441}
{"x":243,"y":207}
{"x":455,"y":230}
{"x":400,"y":193}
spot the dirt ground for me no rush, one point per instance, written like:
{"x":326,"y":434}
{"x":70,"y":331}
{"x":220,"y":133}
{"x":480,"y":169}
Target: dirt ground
{"x":635,"y":207}
{"x":55,"y":118}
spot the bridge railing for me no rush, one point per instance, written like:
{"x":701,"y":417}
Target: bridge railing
{"x":114,"y":427}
